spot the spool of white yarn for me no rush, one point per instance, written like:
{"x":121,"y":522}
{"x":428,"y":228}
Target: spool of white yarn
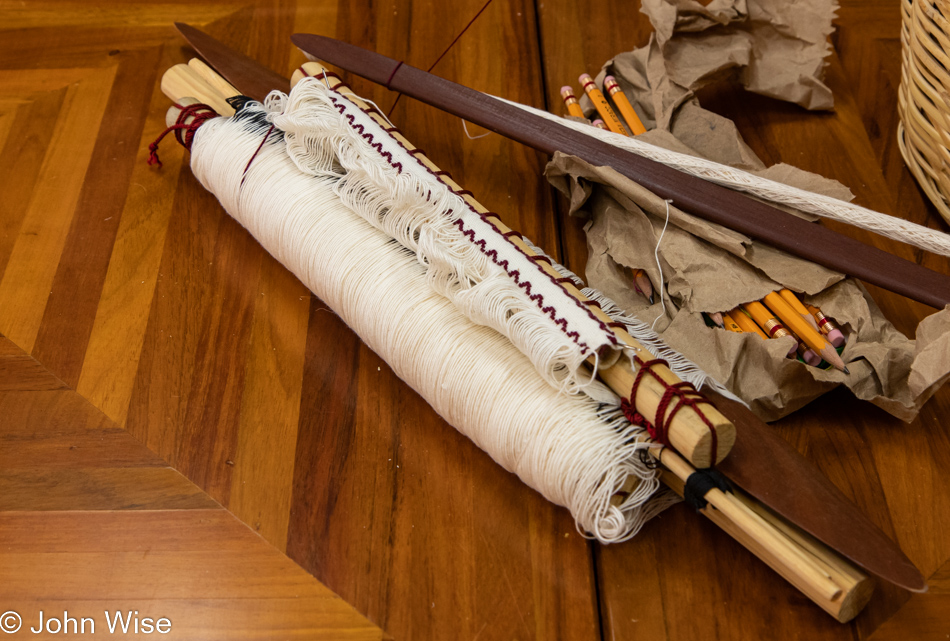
{"x":573,"y":450}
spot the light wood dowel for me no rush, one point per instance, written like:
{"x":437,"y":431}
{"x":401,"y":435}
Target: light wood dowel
{"x":224,"y":88}
{"x":181,"y":80}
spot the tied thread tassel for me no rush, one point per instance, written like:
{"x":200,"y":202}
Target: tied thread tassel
{"x":184,"y":131}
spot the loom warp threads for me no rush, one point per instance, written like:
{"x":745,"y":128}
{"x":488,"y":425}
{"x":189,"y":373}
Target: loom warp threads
{"x":574,"y":450}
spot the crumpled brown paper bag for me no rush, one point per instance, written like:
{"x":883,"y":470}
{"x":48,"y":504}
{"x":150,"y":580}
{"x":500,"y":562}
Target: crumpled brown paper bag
{"x":706,"y":267}
{"x":772,"y":47}
{"x":776,"y":48}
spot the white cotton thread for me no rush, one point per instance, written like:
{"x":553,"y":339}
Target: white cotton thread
{"x":656,"y":257}
{"x":381,"y":181}
{"x":470,"y":136}
{"x":679,"y":364}
{"x":573,"y":450}
{"x":769,"y":190}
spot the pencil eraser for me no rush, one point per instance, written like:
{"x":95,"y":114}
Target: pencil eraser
{"x":792,"y":350}
{"x":567,"y":90}
{"x":585,"y":79}
{"x":836,"y":338}
{"x":810,"y":357}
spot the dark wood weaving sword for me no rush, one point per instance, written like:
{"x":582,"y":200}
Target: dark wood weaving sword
{"x":765,"y":466}
{"x":694,"y":195}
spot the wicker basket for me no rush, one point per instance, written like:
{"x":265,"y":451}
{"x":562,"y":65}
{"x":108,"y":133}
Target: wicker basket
{"x":924,"y":98}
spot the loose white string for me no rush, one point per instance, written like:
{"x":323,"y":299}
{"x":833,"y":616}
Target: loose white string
{"x":470,"y":136}
{"x":656,"y":257}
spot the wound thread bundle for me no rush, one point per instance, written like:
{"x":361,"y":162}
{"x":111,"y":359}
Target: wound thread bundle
{"x":575,"y":451}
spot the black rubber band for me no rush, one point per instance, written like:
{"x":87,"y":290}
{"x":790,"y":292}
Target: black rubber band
{"x":238,"y":102}
{"x":700,"y":482}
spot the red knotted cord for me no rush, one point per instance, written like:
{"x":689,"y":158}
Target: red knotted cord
{"x":184,"y":133}
{"x":683,"y":393}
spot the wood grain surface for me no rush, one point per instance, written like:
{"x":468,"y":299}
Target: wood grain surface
{"x":146,"y":328}
{"x":92,"y":522}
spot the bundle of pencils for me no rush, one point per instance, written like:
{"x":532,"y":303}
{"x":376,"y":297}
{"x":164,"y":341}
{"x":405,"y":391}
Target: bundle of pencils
{"x":629,"y":122}
{"x":815,"y":337}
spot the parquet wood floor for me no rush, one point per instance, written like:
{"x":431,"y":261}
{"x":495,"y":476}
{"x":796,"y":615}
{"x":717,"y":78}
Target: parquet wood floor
{"x":147,"y":331}
{"x":93,"y":524}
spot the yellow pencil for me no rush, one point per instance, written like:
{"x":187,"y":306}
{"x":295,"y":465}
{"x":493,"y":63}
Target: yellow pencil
{"x":626,"y":109}
{"x":730,"y":323}
{"x":797,"y":324}
{"x":796,"y":304}
{"x":715,"y":317}
{"x":828,"y":328}
{"x":746,"y":323}
{"x":570,"y":100}
{"x":769,"y":324}
{"x":600,"y":104}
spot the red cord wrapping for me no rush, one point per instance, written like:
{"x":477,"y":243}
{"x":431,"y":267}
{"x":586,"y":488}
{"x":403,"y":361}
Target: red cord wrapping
{"x":184,"y":133}
{"x":685,"y":395}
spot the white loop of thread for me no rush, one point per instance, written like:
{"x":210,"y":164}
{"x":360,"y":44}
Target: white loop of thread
{"x":656,"y":257}
{"x":570,"y":448}
{"x":769,"y":190}
{"x":470,"y":136}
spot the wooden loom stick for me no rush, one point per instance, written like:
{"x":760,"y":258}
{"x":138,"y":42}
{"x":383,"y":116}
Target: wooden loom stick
{"x":688,"y":434}
{"x":831,"y":582}
{"x":206,"y":73}
{"x":182,"y":80}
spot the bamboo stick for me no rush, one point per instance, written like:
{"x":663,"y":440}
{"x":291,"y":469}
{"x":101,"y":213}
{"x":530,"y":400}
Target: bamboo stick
{"x":834,"y":584}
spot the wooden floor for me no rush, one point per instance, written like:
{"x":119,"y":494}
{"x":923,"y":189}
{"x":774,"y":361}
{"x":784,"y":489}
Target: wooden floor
{"x":93,"y":526}
{"x":147,"y":335}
